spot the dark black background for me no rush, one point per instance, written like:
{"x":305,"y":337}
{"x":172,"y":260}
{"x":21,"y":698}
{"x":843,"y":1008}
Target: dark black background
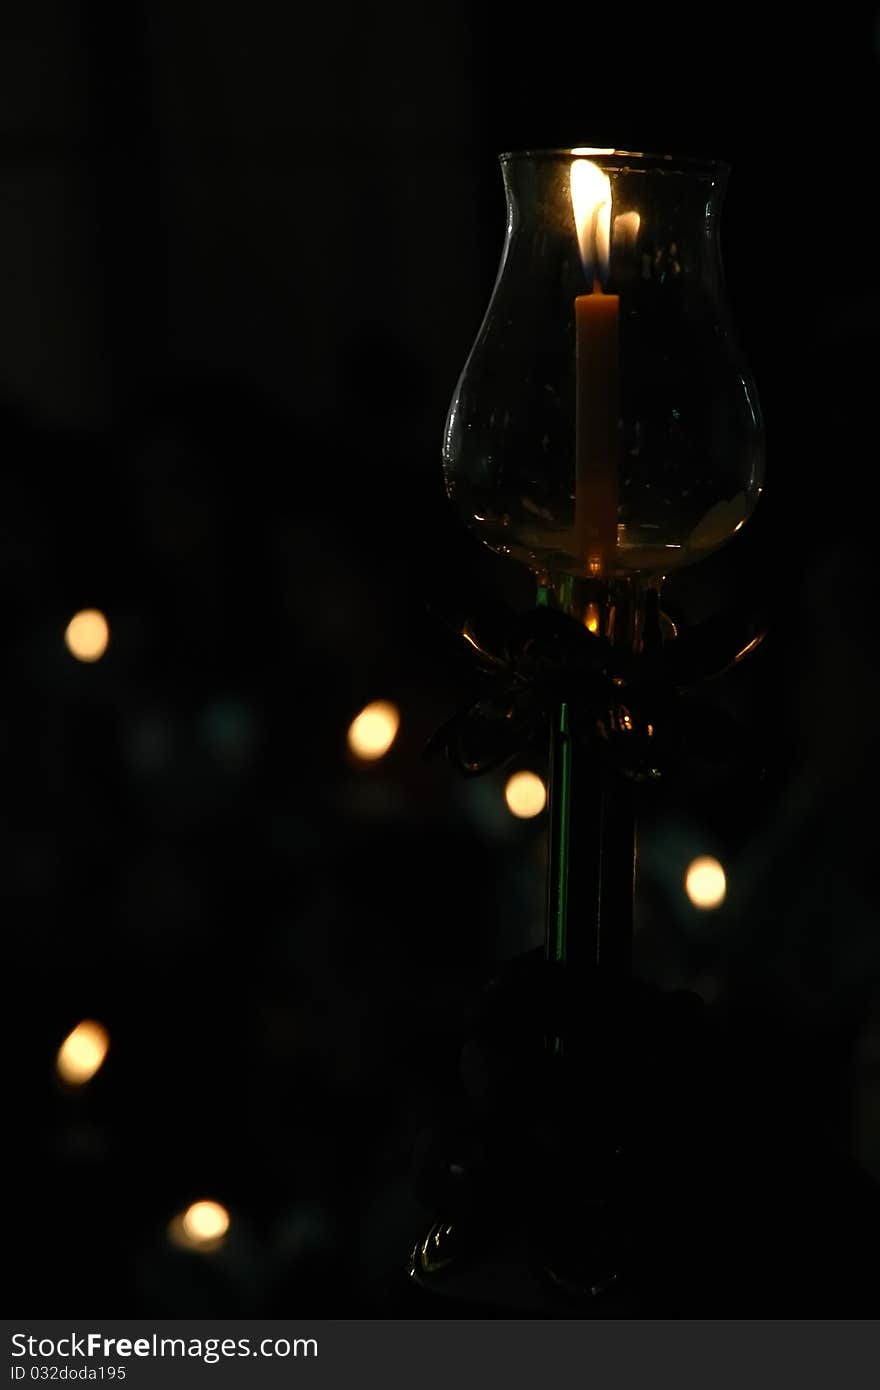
{"x":243,"y":253}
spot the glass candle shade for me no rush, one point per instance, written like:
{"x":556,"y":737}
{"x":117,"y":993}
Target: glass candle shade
{"x":605,"y":425}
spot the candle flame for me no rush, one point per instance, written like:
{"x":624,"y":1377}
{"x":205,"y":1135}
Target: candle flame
{"x":591,"y":202}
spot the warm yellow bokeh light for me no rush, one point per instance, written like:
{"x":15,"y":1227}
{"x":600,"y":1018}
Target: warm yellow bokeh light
{"x":82,"y":1053}
{"x":87,"y":635}
{"x":374,"y":730}
{"x":525,"y":794}
{"x":205,"y":1221}
{"x":203,"y":1226}
{"x":705,"y":882}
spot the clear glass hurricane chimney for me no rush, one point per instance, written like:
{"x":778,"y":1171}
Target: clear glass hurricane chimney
{"x":605,"y":425}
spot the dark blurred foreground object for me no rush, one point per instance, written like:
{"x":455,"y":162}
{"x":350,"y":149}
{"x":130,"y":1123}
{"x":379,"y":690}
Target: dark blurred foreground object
{"x":723,"y":1200}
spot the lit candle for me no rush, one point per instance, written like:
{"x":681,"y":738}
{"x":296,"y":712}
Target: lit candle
{"x":597,"y":319}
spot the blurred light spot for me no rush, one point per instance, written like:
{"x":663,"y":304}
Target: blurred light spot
{"x":203,"y":1226}
{"x":705,"y":882}
{"x":525,"y":794}
{"x":229,"y":729}
{"x":591,"y":618}
{"x":374,"y":730}
{"x":87,"y":635}
{"x":82,"y":1053}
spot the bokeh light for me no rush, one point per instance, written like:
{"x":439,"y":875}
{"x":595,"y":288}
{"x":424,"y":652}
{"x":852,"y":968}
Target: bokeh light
{"x":203,"y":1226}
{"x":525,"y":794}
{"x":83,"y":1052}
{"x":87,"y":635}
{"x":374,"y":730}
{"x":705,"y":882}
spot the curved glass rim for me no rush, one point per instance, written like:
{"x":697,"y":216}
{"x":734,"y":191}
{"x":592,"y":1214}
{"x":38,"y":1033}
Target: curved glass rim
{"x":671,"y":163}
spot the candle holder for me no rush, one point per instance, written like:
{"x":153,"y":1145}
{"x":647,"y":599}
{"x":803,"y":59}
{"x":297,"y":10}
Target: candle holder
{"x":605,"y":425}
{"x":605,"y":432}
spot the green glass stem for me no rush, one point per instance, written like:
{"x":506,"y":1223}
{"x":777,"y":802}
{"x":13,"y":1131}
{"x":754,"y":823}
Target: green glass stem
{"x":591,"y":860}
{"x":592,"y":839}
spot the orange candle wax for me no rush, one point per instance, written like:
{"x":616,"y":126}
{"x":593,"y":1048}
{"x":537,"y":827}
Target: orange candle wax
{"x":597,"y":431}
